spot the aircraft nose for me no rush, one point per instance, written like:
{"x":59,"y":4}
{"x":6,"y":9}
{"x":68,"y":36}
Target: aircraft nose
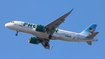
{"x":7,"y":25}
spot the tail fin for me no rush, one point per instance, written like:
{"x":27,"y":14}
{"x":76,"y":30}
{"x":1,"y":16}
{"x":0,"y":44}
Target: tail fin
{"x":89,"y":30}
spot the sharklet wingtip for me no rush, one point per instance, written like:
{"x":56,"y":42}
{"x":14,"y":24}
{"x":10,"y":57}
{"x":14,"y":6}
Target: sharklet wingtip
{"x":71,"y":10}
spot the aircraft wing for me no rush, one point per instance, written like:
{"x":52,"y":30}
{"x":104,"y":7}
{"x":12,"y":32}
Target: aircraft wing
{"x":53,"y":25}
{"x":45,"y":43}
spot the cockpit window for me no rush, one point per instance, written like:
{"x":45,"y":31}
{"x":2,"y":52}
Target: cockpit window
{"x":12,"y":21}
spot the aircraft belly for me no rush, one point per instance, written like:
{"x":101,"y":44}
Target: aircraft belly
{"x":71,"y":39}
{"x":35,"y":33}
{"x":64,"y":38}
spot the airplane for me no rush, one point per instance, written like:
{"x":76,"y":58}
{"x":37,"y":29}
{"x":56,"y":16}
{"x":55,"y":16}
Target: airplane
{"x":43,"y":34}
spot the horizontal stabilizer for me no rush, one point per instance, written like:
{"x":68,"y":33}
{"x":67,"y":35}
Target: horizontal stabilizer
{"x":92,"y":35}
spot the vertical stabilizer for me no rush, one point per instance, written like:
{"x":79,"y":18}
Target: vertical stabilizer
{"x":89,"y":30}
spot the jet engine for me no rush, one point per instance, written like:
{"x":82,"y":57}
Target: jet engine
{"x":33,"y":40}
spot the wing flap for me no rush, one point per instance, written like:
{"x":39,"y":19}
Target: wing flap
{"x":45,"y":43}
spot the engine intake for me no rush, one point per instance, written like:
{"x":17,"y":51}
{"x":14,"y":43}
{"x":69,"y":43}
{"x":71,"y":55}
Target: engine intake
{"x":33,"y":40}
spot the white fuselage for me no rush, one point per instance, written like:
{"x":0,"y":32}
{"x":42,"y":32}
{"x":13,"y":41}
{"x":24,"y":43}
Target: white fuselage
{"x":59,"y":34}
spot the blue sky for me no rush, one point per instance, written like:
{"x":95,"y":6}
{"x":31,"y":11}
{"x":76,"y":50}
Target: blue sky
{"x":43,"y":12}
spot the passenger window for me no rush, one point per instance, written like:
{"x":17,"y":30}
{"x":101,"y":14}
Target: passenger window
{"x":12,"y":22}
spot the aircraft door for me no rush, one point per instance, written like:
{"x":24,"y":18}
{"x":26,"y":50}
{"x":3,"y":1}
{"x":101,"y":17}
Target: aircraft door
{"x":34,"y":27}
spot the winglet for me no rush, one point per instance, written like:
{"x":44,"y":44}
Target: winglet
{"x":89,"y":42}
{"x":51,"y":47}
{"x":65,"y":15}
{"x":71,"y":10}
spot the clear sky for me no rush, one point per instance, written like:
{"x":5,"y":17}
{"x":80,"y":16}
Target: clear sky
{"x":43,"y":12}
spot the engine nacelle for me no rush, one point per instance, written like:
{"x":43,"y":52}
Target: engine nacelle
{"x":33,"y":40}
